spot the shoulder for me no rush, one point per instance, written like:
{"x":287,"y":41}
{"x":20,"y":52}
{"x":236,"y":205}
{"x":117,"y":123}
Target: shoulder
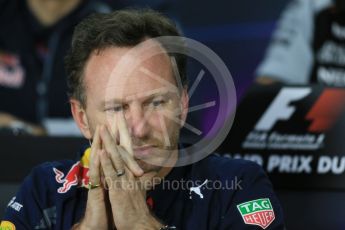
{"x":47,"y":167}
{"x":236,"y":175}
{"x":37,"y":196}
{"x":50,"y":176}
{"x":319,"y":5}
{"x":221,"y":167}
{"x":241,"y":183}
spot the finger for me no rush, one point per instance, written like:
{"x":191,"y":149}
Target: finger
{"x":95,"y":211}
{"x":94,"y":169}
{"x":111,"y":148}
{"x":114,"y":129}
{"x":120,"y":156}
{"x":130,"y":162}
{"x":125,"y":138}
{"x":108,"y":169}
{"x":126,"y":144}
{"x":95,"y":144}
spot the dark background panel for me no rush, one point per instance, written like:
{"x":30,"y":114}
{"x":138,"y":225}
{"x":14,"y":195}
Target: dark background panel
{"x":238,"y":31}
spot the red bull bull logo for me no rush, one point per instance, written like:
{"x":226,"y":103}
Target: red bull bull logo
{"x":76,"y":176}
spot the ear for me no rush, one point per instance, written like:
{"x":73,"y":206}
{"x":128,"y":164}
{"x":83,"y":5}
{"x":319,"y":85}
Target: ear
{"x":79,"y":116}
{"x":184,"y":105}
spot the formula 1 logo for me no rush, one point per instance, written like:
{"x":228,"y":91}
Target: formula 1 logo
{"x":327,"y":109}
{"x":323,"y":114}
{"x":257,"y":212}
{"x":280,"y":108}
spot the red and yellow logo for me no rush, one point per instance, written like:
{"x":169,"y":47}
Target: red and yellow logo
{"x":76,"y":176}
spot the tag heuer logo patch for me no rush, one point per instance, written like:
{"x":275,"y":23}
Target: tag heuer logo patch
{"x":257,"y":212}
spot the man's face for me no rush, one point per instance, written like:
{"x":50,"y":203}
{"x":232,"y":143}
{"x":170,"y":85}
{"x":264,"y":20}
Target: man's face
{"x":142,"y":88}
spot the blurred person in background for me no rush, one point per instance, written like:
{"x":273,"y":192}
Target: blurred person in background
{"x":308,"y":45}
{"x":34,"y":38}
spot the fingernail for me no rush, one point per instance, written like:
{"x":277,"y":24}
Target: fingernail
{"x":101,"y":129}
{"x":140,"y":171}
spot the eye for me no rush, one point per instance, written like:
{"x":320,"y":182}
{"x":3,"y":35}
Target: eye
{"x":114,"y":109}
{"x":158,"y":103}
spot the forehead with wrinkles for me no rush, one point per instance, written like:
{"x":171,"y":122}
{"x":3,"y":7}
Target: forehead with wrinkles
{"x":121,"y":72}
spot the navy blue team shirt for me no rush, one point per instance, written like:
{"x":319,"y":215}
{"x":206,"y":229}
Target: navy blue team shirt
{"x":214,"y":193}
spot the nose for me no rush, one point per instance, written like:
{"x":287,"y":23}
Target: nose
{"x":137,"y":122}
